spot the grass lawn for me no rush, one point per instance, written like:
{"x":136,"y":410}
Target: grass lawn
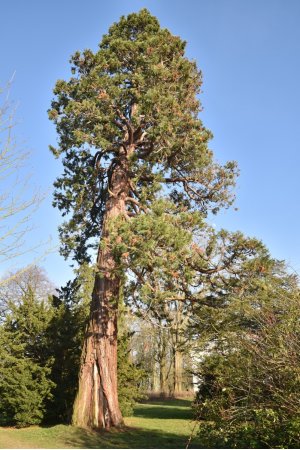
{"x":157,"y":424}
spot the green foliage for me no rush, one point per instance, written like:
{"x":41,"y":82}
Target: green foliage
{"x":176,"y":264}
{"x":171,"y":255}
{"x":154,"y":247}
{"x":139,"y":91}
{"x":65,"y":336}
{"x":25,"y":365}
{"x":40,"y":350}
{"x":130,"y":377}
{"x":65,"y":339}
{"x":24,"y":385}
{"x":249,"y":390}
{"x":131,"y":108}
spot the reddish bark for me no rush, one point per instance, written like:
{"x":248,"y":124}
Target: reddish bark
{"x":96,"y":405}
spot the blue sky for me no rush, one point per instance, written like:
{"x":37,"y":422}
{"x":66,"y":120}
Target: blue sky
{"x":249,"y":53}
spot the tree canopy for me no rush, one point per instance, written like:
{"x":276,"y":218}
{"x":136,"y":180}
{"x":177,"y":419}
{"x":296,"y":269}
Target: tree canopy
{"x":139,"y":91}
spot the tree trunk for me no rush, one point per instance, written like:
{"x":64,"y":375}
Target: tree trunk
{"x":177,"y":368}
{"x":163,"y":364}
{"x":164,"y":390}
{"x":177,"y":348}
{"x":155,"y":379}
{"x":96,"y":405}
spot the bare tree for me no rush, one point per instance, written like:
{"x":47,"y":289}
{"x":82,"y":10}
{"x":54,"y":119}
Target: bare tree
{"x":17,"y":202}
{"x":18,"y":284}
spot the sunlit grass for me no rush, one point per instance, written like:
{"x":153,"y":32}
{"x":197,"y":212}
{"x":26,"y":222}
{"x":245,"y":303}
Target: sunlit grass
{"x":156,"y":424}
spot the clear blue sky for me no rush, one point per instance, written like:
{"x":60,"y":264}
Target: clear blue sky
{"x":249,"y":52}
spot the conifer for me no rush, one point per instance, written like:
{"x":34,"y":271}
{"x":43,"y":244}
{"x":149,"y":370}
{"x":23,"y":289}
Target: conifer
{"x":129,"y":134}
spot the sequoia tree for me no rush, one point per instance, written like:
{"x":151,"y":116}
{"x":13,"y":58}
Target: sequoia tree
{"x":129,"y":133}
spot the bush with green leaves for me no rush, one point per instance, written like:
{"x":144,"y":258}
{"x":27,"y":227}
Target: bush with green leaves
{"x":249,"y":395}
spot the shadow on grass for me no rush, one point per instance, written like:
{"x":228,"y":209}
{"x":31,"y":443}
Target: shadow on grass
{"x":165,"y":409}
{"x":127,"y":438}
{"x":168,"y":402}
{"x":159,"y":413}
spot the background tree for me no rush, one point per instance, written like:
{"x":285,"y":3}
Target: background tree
{"x":144,"y":353}
{"x":177,"y":265}
{"x":25,"y":365}
{"x":65,"y":335}
{"x":153,"y":349}
{"x":128,"y":124}
{"x":22,"y":282}
{"x":17,"y":202}
{"x":130,"y":373}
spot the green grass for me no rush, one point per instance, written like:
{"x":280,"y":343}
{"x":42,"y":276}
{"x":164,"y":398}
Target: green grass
{"x":155,"y":424}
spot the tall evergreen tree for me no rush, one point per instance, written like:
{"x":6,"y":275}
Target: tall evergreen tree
{"x":129,"y":132}
{"x":64,"y":337}
{"x":25,"y":363}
